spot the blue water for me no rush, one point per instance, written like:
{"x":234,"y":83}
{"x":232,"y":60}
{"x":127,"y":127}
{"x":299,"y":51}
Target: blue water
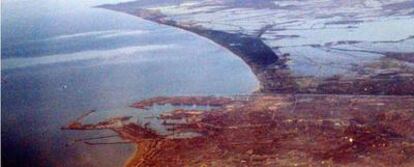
{"x":61,"y":58}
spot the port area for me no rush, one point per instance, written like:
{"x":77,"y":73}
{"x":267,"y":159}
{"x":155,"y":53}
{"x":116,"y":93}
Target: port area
{"x":268,"y":130}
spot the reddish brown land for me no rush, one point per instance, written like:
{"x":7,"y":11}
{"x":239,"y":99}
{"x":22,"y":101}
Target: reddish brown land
{"x":273,"y":130}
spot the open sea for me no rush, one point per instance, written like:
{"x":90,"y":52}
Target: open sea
{"x":62,"y":58}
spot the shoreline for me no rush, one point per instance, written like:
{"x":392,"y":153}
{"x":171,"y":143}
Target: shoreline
{"x":272,"y":71}
{"x":259,"y":58}
{"x":343,"y":115}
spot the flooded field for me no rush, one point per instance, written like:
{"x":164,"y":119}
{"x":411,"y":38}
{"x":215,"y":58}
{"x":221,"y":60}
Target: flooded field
{"x":322,"y":47}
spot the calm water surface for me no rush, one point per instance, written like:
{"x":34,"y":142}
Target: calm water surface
{"x":61,"y":58}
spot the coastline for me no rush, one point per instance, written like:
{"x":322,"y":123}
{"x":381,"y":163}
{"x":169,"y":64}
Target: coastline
{"x":208,"y":83}
{"x":272,"y":70}
{"x":347,"y":117}
{"x":259,"y":57}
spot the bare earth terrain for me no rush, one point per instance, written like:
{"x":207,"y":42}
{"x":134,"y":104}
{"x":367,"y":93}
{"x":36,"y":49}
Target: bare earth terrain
{"x":336,"y":86}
